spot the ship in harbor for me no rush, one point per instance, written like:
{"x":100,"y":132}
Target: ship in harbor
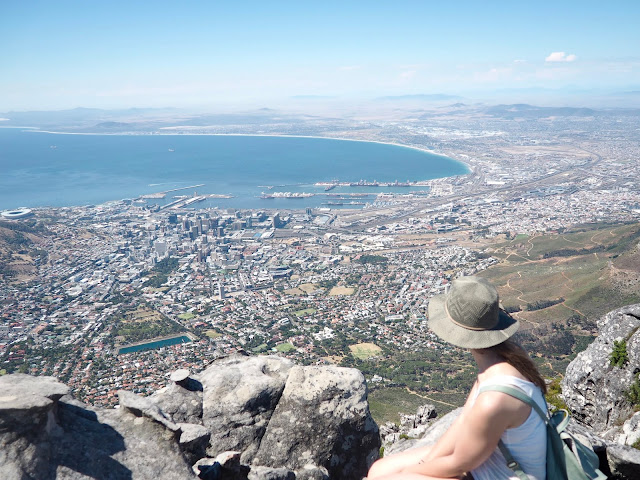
{"x":331,"y":203}
{"x":286,"y":195}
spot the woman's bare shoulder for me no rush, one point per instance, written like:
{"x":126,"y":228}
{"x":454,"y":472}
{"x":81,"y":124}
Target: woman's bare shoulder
{"x":502,"y":369}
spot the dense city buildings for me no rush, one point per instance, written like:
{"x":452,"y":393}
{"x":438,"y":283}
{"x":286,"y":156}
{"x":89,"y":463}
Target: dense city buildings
{"x":86,"y":289}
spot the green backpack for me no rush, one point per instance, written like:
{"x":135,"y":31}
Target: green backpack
{"x":567,"y":458}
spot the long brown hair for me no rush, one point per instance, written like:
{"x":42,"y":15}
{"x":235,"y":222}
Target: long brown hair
{"x":517,"y":357}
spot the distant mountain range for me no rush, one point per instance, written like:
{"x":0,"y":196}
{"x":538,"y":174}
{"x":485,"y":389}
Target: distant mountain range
{"x":434,"y":97}
{"x":151,"y":119}
{"x":523,"y":110}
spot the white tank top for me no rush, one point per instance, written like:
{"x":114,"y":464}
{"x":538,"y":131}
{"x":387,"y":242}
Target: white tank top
{"x":527,"y":443}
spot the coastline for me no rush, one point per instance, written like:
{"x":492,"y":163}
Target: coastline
{"x":134,"y":134}
{"x":420,"y":170}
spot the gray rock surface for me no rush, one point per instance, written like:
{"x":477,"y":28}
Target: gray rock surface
{"x":268,"y":473}
{"x":414,"y":426}
{"x":312,"y":472}
{"x":239,"y":396}
{"x":307,"y":423}
{"x":624,"y":462}
{"x":50,"y":437}
{"x":181,"y":402}
{"x":430,"y":437}
{"x":27,"y":424}
{"x":143,"y":406}
{"x":592,"y":388}
{"x":630,"y":431}
{"x":193,"y":441}
{"x":322,"y":418}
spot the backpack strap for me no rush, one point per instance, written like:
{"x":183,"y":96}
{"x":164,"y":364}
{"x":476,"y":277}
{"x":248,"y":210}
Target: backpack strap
{"x":511,"y":462}
{"x":520,"y":395}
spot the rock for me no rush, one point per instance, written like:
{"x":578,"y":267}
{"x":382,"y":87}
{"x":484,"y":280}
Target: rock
{"x":585,"y":435}
{"x":180,"y":375}
{"x":630,"y":431}
{"x":27,"y":423}
{"x":322,"y":418}
{"x":592,"y":388}
{"x":312,"y":472}
{"x":142,"y":406}
{"x":431,"y":435}
{"x":624,"y":462}
{"x":229,"y":459}
{"x":193,"y":441}
{"x":182,"y":403}
{"x":422,"y":417}
{"x":48,"y":387}
{"x":54,"y":437}
{"x":267,"y":473}
{"x":239,"y":396}
{"x":415,"y":426}
{"x":388,"y":428}
{"x":207,"y":469}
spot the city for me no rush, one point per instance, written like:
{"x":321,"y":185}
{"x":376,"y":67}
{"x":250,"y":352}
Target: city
{"x":82,"y":286}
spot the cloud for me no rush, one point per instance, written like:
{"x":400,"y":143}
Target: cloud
{"x":560,"y":57}
{"x":408,"y":75}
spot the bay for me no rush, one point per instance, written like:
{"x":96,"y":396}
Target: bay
{"x":47,"y":169}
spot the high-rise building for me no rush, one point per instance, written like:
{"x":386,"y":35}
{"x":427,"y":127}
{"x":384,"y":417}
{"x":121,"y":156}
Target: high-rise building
{"x":277,"y":223}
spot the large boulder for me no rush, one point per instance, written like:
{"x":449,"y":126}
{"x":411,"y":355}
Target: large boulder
{"x":47,"y":435}
{"x":261,"y":417}
{"x":27,"y":422}
{"x":322,"y":419}
{"x":624,"y":462}
{"x":181,"y":400}
{"x":593,"y":389}
{"x":239,"y":396}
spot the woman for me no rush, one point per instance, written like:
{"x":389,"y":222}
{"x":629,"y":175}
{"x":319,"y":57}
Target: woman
{"x":469,"y":316}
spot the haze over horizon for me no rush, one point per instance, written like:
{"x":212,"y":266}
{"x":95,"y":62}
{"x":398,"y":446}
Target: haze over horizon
{"x":121,"y":54}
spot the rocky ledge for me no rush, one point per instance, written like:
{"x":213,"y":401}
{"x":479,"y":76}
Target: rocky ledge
{"x":254,"y":418}
{"x":264,"y":418}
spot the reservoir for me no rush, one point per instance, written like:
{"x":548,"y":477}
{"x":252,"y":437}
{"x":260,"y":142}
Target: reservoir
{"x":154,"y":344}
{"x":46,"y":169}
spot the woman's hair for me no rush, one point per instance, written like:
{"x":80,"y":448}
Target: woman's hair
{"x":517,"y":357}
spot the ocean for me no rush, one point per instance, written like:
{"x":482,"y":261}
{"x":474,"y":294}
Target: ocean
{"x":46,"y":169}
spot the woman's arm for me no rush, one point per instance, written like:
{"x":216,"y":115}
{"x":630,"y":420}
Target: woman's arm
{"x":475,"y":437}
{"x":445,"y":444}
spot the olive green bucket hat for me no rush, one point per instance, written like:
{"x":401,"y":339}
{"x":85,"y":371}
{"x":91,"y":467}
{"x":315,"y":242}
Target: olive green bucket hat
{"x":469,"y":315}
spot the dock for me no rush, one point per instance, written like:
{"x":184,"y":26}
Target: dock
{"x":165,"y":192}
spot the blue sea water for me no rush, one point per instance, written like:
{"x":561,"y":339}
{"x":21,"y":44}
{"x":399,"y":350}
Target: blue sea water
{"x":45,"y":169}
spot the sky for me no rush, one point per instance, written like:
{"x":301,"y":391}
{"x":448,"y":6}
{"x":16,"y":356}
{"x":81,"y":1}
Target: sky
{"x":118,"y":54}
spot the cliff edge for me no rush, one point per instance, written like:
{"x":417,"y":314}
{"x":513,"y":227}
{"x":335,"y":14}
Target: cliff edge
{"x":254,"y":418}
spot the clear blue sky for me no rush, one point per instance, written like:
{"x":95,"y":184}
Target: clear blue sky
{"x":112,"y":54}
